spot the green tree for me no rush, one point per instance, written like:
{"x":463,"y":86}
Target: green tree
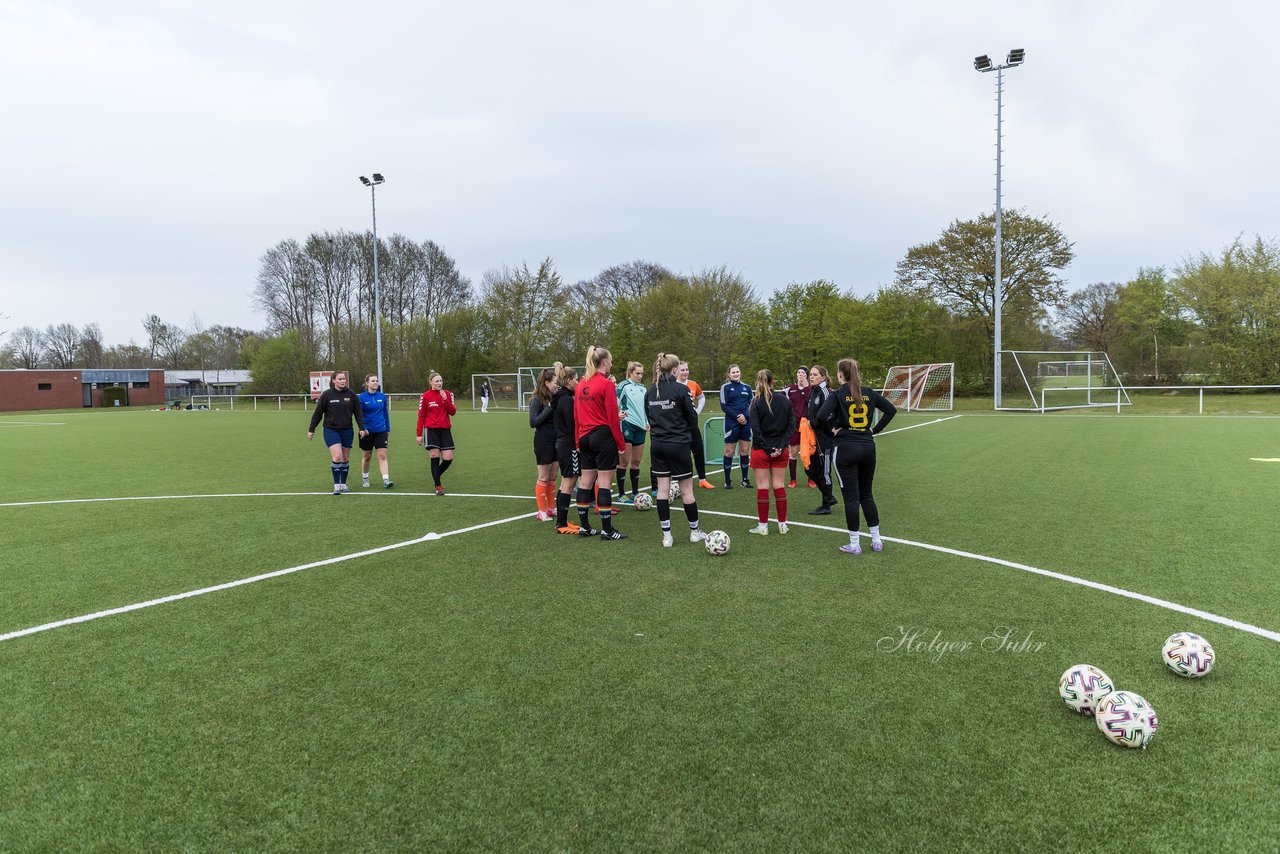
{"x":1091,"y":317}
{"x":1151,"y":324}
{"x":282,"y":365}
{"x":1236,"y":297}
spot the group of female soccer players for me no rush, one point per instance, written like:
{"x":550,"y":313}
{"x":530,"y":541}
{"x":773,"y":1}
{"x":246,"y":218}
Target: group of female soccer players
{"x":594,"y":431}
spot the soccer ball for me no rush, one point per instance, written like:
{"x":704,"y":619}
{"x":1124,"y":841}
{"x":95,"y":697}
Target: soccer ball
{"x":675,"y":492}
{"x":1188,"y":654}
{"x":1127,"y":719}
{"x":644,"y":501}
{"x":717,"y":543}
{"x":1082,"y":686}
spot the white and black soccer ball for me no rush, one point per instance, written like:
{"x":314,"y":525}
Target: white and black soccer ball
{"x":1127,"y":719}
{"x":675,"y":492}
{"x":717,"y":543}
{"x":1082,"y":686}
{"x":643,"y":501}
{"x":1188,"y":654}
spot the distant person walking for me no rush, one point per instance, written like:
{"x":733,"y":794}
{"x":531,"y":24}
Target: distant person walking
{"x":435,"y":432}
{"x":337,"y":406}
{"x":848,"y":409}
{"x":375,"y":407}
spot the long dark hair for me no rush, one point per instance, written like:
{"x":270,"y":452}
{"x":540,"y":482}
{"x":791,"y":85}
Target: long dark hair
{"x":545,"y":376}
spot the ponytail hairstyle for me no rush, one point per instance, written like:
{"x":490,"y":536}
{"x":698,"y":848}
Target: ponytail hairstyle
{"x":595,"y":358}
{"x":565,"y":374}
{"x":333,"y":378}
{"x":666,"y":363}
{"x":368,"y":377}
{"x":764,"y":388}
{"x":545,"y":376}
{"x":631,"y":366}
{"x":431,"y":375}
{"x":849,"y":372}
{"x":729,"y":370}
{"x":823,"y":373}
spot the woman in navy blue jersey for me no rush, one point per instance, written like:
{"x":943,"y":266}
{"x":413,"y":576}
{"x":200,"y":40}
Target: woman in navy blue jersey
{"x":849,"y":411}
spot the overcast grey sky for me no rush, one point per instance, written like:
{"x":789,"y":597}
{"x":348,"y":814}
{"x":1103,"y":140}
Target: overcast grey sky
{"x":155,"y":150}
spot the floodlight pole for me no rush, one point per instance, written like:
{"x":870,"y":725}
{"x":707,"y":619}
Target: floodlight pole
{"x":377,"y":291}
{"x":1014,"y":59}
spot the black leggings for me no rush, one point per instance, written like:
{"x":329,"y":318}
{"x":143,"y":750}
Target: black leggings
{"x":819,"y":471}
{"x":855,"y":465}
{"x":699,"y":453}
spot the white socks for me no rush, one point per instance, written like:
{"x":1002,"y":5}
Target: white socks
{"x":875,"y":534}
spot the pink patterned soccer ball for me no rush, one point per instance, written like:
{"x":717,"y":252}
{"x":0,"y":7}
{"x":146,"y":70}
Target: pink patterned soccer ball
{"x":1127,"y":719}
{"x":1188,"y":654}
{"x":1082,"y":686}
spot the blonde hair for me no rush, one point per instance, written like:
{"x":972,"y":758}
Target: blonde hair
{"x":545,"y":376}
{"x":368,"y":377}
{"x":431,"y":375}
{"x":729,"y":369}
{"x":565,"y":374}
{"x":848,"y":369}
{"x":823,"y":371}
{"x":631,"y":366}
{"x":666,"y":363}
{"x":595,"y":358}
{"x":764,"y":388}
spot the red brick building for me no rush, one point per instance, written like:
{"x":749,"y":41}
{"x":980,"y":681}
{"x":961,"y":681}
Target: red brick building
{"x":41,"y":389}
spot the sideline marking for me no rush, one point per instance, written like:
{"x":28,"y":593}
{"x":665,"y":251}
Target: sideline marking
{"x":385,"y":493}
{"x":124,"y":609}
{"x":921,"y":424}
{"x":1047,"y":573}
{"x":1265,"y":459}
{"x":33,"y":423}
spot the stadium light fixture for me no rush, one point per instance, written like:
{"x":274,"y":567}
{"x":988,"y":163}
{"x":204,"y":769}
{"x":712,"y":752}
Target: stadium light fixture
{"x":983,"y":64}
{"x":377,"y":295}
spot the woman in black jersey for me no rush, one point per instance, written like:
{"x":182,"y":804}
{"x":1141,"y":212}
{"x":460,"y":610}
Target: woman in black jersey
{"x":773,"y":422}
{"x":544,"y":443}
{"x":848,"y":410}
{"x":566,"y":445}
{"x":338,"y":406}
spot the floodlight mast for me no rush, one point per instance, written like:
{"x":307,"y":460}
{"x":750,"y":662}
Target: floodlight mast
{"x":377,"y":296}
{"x":983,"y":64}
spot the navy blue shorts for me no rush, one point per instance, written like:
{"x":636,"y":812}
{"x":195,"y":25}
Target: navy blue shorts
{"x":339,"y":437}
{"x":735,"y":432}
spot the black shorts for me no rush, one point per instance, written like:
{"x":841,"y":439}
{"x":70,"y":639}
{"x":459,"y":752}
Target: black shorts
{"x":369,"y":441}
{"x":440,"y":438}
{"x":544,"y":453}
{"x":567,"y":457}
{"x":598,"y":451}
{"x":670,"y":459}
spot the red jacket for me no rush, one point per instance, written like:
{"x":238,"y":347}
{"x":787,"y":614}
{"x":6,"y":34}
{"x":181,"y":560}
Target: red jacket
{"x":595,"y":404}
{"x":434,"y":409}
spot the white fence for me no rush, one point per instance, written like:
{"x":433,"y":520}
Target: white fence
{"x":1120,"y":392}
{"x":277,"y":402}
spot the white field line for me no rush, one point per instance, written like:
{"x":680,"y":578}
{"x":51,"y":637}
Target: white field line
{"x":921,"y":424}
{"x":1265,"y":459}
{"x":1126,"y":415}
{"x":388,"y":493}
{"x":150,"y":603}
{"x":33,"y":423}
{"x":1070,"y":579}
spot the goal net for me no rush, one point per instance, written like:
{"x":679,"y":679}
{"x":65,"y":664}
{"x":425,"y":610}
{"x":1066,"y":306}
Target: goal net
{"x":1047,"y":380}
{"x":527,"y":377}
{"x":504,"y":391}
{"x":921,"y":387}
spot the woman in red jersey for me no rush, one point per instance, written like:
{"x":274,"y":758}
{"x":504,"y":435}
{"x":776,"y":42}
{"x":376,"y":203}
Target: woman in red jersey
{"x":434,"y":427}
{"x":598,"y":426}
{"x":798,"y":396}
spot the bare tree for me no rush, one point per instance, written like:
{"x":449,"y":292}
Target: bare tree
{"x":1090,"y":316}
{"x":286,"y":290}
{"x":27,"y":344}
{"x":91,"y":348}
{"x":60,"y":345}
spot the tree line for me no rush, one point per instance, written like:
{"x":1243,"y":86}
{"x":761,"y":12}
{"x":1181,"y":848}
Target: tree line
{"x":1211,"y":318}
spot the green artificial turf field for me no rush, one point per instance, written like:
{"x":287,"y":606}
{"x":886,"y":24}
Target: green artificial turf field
{"x":503,"y":687}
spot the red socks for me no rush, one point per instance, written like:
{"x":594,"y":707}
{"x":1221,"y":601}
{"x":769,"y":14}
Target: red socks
{"x":762,"y":505}
{"x":780,"y":498}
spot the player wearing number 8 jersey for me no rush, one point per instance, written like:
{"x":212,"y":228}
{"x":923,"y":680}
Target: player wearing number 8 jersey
{"x":854,"y":455}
